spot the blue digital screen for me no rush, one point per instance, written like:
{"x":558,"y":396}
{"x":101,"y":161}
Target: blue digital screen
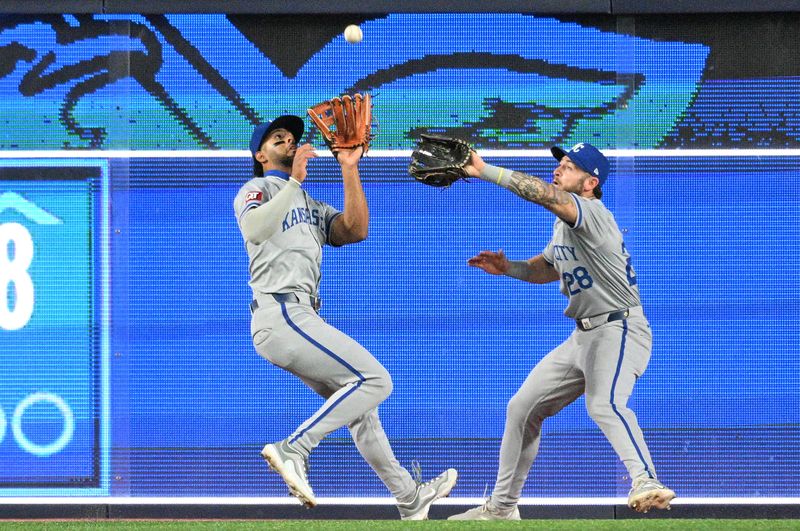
{"x":51,"y":327}
{"x":457,"y":342}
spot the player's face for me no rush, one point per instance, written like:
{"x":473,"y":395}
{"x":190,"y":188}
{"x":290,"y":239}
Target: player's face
{"x":569,"y":178}
{"x":280,"y":147}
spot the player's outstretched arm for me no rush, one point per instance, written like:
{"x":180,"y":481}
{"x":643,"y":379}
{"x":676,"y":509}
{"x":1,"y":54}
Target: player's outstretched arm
{"x":527,"y":187}
{"x":352,"y":226}
{"x":534,"y":189}
{"x":535,"y":270}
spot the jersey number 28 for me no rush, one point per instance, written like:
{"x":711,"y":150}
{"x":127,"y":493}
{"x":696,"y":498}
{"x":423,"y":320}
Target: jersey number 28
{"x":580,"y":278}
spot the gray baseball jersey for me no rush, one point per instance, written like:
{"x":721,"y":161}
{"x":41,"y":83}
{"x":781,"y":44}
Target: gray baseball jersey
{"x":290,"y":261}
{"x":595,"y":268}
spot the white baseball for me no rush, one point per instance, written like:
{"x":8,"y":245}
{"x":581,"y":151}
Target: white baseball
{"x":353,"y":34}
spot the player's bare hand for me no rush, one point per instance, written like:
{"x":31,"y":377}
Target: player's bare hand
{"x":349,"y":157}
{"x":475,"y":165}
{"x":494,"y":263}
{"x":301,"y":156}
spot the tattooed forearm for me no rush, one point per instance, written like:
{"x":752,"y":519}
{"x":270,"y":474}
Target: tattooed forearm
{"x":536,"y":190}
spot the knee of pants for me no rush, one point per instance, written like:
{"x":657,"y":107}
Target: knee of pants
{"x":519,"y":411}
{"x":383,"y":382}
{"x":601,"y":410}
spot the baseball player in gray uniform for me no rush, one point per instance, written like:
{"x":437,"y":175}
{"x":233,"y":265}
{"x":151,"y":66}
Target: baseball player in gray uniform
{"x":284,"y":230}
{"x":610,"y":346}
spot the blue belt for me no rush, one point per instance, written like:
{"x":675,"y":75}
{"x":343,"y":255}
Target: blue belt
{"x":589,"y":323}
{"x":314,"y":302}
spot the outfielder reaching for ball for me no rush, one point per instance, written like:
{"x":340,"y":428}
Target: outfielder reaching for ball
{"x":610,"y":346}
{"x":285,"y":229}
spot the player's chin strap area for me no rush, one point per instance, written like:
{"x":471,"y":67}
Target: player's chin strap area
{"x":588,"y":323}
{"x":299,"y":298}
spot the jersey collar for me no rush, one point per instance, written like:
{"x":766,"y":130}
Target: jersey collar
{"x":277,"y":173}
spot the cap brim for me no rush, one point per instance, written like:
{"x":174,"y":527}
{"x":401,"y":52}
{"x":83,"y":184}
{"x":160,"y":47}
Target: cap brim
{"x":557,"y":152}
{"x":293,"y":124}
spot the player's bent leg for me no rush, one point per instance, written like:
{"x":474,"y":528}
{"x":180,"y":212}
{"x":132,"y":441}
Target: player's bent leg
{"x":488,"y":511}
{"x":325,"y":357}
{"x":426,"y":493}
{"x":340,"y":409}
{"x":292,"y":466}
{"x":649,"y":493}
{"x":296,"y":339}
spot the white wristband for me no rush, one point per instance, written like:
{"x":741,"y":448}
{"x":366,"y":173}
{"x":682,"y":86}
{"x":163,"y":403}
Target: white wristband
{"x":496,"y":175}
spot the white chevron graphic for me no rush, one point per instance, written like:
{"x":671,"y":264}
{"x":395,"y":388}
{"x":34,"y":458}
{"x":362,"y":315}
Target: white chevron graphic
{"x":28,"y":209}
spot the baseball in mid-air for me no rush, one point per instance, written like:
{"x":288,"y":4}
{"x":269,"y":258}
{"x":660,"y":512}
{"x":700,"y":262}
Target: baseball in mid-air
{"x":353,"y":34}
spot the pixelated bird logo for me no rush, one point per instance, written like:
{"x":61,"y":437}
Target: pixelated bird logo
{"x":199,"y":82}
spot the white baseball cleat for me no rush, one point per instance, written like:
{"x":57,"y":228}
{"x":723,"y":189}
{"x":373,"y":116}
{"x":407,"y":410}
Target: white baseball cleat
{"x":292,"y":466}
{"x":488,"y":511}
{"x":427,"y":493}
{"x":649,"y":493}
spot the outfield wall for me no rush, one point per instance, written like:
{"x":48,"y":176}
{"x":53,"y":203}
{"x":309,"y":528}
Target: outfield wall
{"x":127,"y":369}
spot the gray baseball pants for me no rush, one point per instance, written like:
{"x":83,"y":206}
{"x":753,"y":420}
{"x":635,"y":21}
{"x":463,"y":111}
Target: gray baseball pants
{"x":604,"y":363}
{"x":295,"y":338}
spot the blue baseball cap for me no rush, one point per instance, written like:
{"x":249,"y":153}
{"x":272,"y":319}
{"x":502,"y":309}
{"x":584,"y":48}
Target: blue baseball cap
{"x":293,"y":124}
{"x":586,"y":157}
